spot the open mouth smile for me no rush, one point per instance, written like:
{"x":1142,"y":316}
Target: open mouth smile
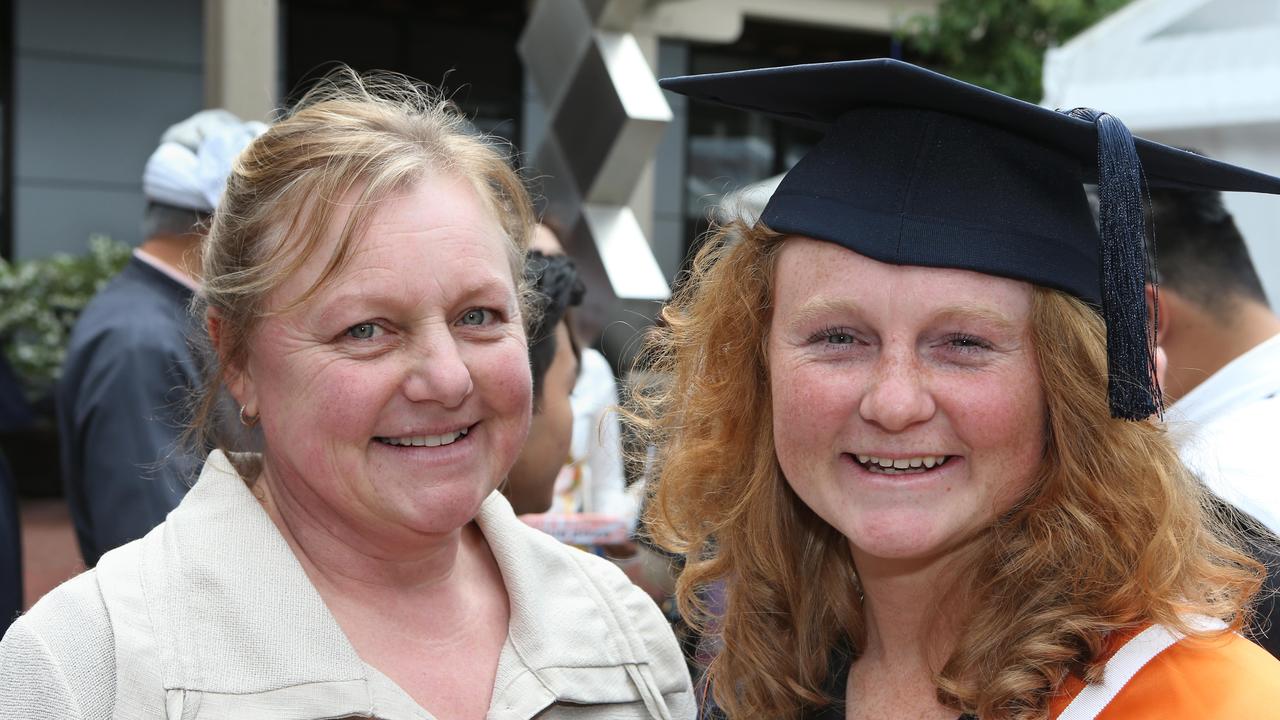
{"x":448,"y":438}
{"x":902,"y":466}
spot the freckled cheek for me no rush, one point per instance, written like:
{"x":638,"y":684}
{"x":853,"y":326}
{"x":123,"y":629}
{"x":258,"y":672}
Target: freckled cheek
{"x":347,"y":402}
{"x":816,"y":395}
{"x":504,"y":380}
{"x":1005,"y":424}
{"x":809,"y":410}
{"x":352,"y":402}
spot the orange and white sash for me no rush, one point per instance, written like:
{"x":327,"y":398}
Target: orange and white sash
{"x":1128,"y":660}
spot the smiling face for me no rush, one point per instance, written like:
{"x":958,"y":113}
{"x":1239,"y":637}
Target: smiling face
{"x":398,"y":396}
{"x":907,"y":406}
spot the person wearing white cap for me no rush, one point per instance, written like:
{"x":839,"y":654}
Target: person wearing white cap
{"x":129,"y":368}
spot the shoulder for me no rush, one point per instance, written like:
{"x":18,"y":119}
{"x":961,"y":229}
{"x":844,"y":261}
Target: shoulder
{"x":606,"y":582}
{"x":134,"y":306}
{"x":1225,"y":453}
{"x":610,"y":585}
{"x":80,"y":597}
{"x":617,"y":591}
{"x":1222,"y":677}
{"x":58,"y":660}
{"x":636,"y":626}
{"x":582,"y":608}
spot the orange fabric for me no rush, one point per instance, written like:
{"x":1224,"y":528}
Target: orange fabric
{"x":1225,"y":677}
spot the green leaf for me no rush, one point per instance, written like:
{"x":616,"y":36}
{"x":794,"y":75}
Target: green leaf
{"x":40,"y":300}
{"x":1000,"y":44}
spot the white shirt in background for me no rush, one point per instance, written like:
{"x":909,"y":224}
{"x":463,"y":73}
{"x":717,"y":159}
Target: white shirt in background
{"x":594,"y":480}
{"x":1228,"y":432}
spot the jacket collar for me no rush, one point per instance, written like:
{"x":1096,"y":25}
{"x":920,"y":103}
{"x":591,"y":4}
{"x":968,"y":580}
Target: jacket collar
{"x":246,"y":620}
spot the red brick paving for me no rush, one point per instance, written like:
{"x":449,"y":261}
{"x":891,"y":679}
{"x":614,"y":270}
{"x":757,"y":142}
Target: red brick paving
{"x":50,"y":554}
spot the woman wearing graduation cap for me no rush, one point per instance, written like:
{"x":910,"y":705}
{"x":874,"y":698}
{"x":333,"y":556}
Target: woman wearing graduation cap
{"x":906,"y":425}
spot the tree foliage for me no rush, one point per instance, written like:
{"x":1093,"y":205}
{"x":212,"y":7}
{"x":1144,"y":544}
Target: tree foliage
{"x":40,"y":300}
{"x":1000,"y":44}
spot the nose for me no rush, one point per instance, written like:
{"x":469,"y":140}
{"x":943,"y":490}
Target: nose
{"x":438,"y":372}
{"x":898,"y":396}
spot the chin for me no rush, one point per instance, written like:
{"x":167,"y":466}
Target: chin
{"x":442,"y":510}
{"x":897,"y":538}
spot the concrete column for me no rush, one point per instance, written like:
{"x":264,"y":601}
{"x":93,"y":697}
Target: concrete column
{"x":642,"y":198}
{"x":242,"y":56}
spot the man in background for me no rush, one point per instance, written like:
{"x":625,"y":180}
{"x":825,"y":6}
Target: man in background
{"x":1223,"y":375}
{"x":14,"y":413}
{"x":1223,"y":343}
{"x":129,"y":370}
{"x":553,"y":360}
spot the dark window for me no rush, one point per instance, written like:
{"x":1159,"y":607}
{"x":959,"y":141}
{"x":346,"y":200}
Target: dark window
{"x":466,"y":48}
{"x":729,"y":149}
{"x":6,"y":129}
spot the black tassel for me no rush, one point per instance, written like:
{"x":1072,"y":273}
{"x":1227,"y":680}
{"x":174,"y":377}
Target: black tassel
{"x":1132,"y":390}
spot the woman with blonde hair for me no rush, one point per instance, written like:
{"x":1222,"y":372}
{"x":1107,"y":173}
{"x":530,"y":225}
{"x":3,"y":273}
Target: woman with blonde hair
{"x":363,"y":293}
{"x":904,"y":436}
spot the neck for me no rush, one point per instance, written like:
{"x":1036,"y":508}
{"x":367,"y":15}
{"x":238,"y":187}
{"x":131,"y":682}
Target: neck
{"x":1203,"y":343}
{"x":180,"y":251}
{"x":911,"y":626}
{"x":343,"y":557}
{"x":908,"y":623}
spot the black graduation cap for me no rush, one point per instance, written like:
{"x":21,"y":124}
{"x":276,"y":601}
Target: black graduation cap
{"x":917,"y":168}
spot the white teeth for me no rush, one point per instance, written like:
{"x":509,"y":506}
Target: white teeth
{"x":921,"y":463}
{"x":425,"y":440}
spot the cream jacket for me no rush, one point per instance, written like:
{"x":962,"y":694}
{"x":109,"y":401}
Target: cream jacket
{"x":211,"y":616}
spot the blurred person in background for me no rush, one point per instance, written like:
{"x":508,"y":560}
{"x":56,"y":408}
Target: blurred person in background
{"x":553,"y":359}
{"x":592,"y":505}
{"x":362,"y":289}
{"x":1223,"y":344}
{"x":10,"y":549}
{"x":14,"y":414}
{"x":129,"y":371}
{"x":594,"y":480}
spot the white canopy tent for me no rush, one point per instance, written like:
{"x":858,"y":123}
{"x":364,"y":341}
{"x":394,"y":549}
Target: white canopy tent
{"x":1203,"y":74}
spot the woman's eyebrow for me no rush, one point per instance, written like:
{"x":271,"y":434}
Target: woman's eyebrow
{"x":820,"y":307}
{"x":984,"y":314}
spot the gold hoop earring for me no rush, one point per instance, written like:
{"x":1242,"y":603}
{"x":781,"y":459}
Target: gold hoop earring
{"x":247,"y":420}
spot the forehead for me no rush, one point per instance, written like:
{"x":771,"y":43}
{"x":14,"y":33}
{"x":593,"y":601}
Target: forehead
{"x":811,"y":273}
{"x":436,"y":223}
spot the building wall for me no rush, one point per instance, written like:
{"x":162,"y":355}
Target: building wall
{"x":95,"y":84}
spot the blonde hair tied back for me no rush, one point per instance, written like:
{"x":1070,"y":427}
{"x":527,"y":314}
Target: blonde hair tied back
{"x":353,"y":139}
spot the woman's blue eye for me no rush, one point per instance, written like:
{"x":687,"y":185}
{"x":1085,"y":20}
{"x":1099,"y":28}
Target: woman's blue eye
{"x":968,"y":342}
{"x":475,"y":316}
{"x":833,"y":336}
{"x":363,"y":331}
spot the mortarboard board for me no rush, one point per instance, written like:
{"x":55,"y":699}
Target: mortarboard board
{"x":917,"y":168}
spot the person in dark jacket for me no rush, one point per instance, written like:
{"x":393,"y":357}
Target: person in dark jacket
{"x":14,"y":414}
{"x":129,"y":368}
